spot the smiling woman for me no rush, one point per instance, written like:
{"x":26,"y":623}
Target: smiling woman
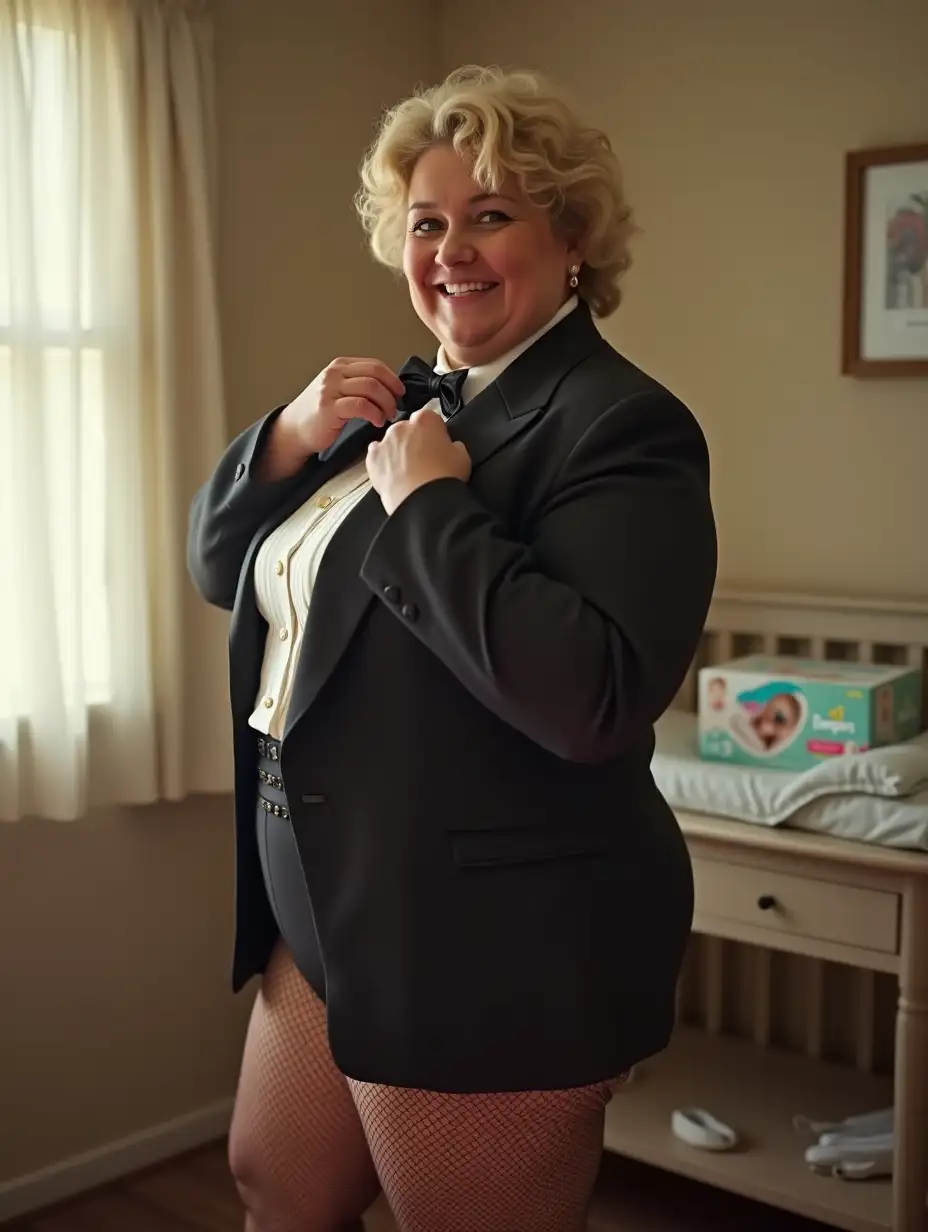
{"x":463,"y":594}
{"x":523,"y":156}
{"x":484,"y":270}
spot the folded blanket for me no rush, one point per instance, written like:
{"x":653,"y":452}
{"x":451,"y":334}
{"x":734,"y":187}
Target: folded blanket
{"x":880,"y":796}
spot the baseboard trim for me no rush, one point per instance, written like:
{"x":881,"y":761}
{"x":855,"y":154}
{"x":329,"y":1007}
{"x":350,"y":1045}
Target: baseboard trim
{"x":24,"y":1194}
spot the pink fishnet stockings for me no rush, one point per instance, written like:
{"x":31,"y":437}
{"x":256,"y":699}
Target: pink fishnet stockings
{"x":310,"y":1148}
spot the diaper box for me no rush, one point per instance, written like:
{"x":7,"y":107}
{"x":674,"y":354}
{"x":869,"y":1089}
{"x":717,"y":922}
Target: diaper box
{"x":788,"y":713}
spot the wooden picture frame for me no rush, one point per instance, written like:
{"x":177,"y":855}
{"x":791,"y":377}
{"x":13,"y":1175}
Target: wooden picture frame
{"x":885,"y":330}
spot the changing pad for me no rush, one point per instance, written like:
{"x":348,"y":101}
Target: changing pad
{"x":880,"y":796}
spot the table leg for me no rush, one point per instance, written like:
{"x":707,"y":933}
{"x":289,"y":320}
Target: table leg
{"x":910,"y":1163}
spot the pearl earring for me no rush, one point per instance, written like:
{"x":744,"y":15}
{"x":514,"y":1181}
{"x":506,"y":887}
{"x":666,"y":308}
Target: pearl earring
{"x":574,"y":280}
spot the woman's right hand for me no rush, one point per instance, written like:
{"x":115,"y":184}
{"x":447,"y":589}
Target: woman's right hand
{"x":347,"y":388}
{"x":344,"y":390}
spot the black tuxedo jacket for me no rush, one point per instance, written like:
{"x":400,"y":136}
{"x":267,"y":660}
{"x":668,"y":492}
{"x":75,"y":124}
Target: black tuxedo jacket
{"x":502,"y":897}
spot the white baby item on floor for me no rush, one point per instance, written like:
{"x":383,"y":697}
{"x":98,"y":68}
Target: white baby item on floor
{"x":826,"y":1156}
{"x":701,"y":1129}
{"x":864,"y":1169}
{"x":855,"y":1149}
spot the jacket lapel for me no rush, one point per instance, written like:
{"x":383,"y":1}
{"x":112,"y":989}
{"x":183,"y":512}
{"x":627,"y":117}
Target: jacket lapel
{"x":247,"y":628}
{"x":524,"y":389}
{"x":487,"y":423}
{"x":340,"y":598}
{"x":351,"y":442}
{"x":340,"y":601}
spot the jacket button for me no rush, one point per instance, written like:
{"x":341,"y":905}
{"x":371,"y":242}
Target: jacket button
{"x":410,"y":612}
{"x":239,"y":471}
{"x":392,"y":594}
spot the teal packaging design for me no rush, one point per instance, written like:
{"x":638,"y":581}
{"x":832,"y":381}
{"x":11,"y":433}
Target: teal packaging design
{"x":788,"y":713}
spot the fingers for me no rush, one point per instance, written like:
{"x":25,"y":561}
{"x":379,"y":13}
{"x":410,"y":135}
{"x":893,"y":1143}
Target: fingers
{"x":431,"y":421}
{"x":358,"y":366}
{"x":361,"y":408}
{"x":359,"y":388}
{"x":372,"y":389}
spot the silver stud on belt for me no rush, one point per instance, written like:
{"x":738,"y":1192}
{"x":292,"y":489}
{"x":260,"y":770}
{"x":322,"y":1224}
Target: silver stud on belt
{"x":277,"y":809}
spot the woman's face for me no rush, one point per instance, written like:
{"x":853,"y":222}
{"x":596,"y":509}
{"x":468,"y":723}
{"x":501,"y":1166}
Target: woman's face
{"x":485,"y":272}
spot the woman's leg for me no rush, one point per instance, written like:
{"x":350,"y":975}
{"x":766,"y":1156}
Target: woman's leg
{"x":513,"y":1162}
{"x":296,"y":1147}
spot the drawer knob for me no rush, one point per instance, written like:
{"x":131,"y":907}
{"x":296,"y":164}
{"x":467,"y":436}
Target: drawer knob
{"x":766,"y":902}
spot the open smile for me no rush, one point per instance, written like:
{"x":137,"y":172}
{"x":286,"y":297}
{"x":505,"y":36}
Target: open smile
{"x":459,"y":291}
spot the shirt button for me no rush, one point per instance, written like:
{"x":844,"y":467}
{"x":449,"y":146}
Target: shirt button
{"x":410,"y":612}
{"x":279,"y":568}
{"x":268,"y":703}
{"x":284,"y":634}
{"x":392,"y":594}
{"x":323,"y":502}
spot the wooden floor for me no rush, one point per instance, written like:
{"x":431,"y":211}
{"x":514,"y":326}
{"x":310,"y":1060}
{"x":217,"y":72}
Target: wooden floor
{"x":196,"y":1194}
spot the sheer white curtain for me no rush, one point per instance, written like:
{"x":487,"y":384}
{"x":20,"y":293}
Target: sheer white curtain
{"x":112,"y":675}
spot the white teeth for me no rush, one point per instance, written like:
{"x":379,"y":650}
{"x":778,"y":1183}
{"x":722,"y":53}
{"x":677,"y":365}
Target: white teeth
{"x":466,"y":288}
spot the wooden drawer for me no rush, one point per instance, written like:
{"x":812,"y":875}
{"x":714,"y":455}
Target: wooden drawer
{"x":794,"y":904}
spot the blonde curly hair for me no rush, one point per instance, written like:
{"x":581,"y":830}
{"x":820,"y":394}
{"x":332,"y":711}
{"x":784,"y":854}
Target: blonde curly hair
{"x":505,"y":122}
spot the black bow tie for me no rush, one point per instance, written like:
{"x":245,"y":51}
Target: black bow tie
{"x":423,"y":384}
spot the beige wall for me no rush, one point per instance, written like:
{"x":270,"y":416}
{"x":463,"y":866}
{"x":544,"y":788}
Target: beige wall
{"x":301,"y":88}
{"x":115,"y":1013}
{"x":732,"y":118}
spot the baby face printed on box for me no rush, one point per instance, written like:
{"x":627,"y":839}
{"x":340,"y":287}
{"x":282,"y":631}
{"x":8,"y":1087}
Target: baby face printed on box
{"x":787,"y":712}
{"x":768,"y":719}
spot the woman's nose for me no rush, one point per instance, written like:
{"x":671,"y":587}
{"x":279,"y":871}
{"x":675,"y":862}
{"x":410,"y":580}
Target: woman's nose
{"x":454,"y":249}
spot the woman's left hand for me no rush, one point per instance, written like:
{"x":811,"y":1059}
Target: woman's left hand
{"x":414,"y":452}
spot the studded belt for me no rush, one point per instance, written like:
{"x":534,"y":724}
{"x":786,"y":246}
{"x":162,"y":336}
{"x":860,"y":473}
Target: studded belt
{"x":271,"y":796}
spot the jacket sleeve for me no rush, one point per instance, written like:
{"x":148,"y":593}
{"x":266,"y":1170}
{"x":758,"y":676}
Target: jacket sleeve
{"x":581,"y":636}
{"x":227,"y":512}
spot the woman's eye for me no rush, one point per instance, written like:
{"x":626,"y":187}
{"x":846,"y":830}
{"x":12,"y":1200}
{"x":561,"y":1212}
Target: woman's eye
{"x":428,"y":226}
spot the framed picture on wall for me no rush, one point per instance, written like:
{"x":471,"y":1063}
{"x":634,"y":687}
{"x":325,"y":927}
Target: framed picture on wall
{"x":886,"y":262}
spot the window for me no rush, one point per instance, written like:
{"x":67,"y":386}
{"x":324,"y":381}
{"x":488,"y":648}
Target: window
{"x":106,"y":342}
{"x":53,"y":371}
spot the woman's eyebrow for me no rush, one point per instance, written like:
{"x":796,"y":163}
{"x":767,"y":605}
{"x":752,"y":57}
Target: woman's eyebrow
{"x":478,"y":197}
